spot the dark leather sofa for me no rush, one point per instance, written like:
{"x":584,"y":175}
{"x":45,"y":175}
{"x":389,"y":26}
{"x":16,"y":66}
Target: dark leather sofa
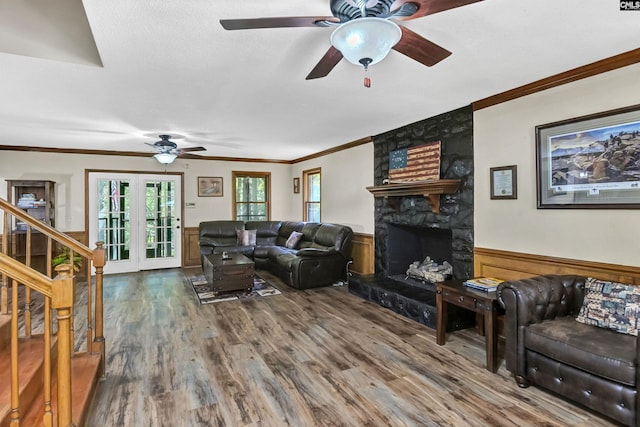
{"x":547,"y":347}
{"x":319,"y":259}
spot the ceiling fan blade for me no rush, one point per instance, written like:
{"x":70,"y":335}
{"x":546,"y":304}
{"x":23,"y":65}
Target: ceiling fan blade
{"x":326,"y":64}
{"x":422,"y":50}
{"x":429,"y":7}
{"x":189,"y":149}
{"x":276,"y":22}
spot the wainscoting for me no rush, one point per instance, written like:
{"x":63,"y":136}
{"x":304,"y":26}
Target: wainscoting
{"x":190,"y":247}
{"x":362,"y":253}
{"x":81,"y":237}
{"x":362,"y":249}
{"x":516,"y":265}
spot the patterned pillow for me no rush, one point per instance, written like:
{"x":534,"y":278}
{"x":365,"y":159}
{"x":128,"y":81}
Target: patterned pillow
{"x":293,"y":240}
{"x":246,"y":237}
{"x":611,"y":305}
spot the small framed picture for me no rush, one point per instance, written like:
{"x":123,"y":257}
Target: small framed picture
{"x":209,"y":186}
{"x":296,"y":185}
{"x":504,"y":182}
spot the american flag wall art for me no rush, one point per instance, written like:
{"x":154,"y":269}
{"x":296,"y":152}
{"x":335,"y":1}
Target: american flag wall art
{"x":419,"y":163}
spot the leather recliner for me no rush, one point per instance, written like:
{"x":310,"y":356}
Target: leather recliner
{"x":319,"y":259}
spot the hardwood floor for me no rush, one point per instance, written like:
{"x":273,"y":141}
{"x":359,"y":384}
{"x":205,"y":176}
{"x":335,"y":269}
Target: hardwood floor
{"x":303,"y":358}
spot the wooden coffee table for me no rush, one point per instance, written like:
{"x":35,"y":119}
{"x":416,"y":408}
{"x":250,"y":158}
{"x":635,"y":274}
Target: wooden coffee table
{"x":234,"y":273}
{"x":484,"y":303}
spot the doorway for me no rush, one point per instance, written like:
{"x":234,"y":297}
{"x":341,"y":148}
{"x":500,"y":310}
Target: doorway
{"x":137,"y":216}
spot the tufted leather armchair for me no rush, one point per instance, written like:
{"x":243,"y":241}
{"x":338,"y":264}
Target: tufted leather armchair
{"x":545,"y":346}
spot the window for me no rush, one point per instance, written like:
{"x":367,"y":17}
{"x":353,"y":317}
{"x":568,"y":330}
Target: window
{"x":251,"y":196}
{"x":311,"y":194}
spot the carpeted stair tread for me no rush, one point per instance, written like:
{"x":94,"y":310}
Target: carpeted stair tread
{"x":30,"y":371}
{"x":84,"y":377}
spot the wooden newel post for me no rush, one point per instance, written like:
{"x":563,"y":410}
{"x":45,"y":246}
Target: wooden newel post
{"x":99,"y":260}
{"x":62,"y":299}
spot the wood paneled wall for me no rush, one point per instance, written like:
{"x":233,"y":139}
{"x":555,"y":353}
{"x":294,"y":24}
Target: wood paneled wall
{"x":190,"y":247}
{"x":516,"y":265}
{"x":81,"y":237}
{"x":362,"y":252}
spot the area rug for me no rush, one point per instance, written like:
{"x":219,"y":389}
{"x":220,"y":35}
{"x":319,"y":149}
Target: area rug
{"x":261,"y":288}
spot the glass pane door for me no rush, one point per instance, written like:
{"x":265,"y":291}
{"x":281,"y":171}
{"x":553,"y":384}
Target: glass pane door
{"x":137,"y":218}
{"x":113,"y":222}
{"x":161,"y":232}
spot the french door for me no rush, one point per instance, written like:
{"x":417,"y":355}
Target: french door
{"x":137,"y":216}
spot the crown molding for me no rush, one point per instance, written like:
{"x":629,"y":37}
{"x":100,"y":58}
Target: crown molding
{"x":132,"y":154}
{"x":342,"y":147}
{"x":622,"y":60}
{"x":346,"y":146}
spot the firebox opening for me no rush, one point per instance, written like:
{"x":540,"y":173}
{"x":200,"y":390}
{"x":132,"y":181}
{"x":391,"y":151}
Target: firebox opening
{"x":406,"y":244}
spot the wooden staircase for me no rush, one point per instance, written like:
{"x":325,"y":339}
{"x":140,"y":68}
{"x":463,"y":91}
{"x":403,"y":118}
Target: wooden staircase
{"x":43,"y":382}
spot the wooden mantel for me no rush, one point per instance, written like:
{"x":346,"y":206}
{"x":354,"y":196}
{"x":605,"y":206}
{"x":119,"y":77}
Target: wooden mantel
{"x":431,"y":190}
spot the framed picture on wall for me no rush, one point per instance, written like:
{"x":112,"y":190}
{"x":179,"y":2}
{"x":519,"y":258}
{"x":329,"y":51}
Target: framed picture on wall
{"x":296,"y":185}
{"x":590,"y":161}
{"x":209,"y":186}
{"x":504,"y":182}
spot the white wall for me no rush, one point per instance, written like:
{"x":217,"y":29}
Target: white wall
{"x":344,"y":176}
{"x":344,"y":198}
{"x":67,"y":170}
{"x":504,"y":135}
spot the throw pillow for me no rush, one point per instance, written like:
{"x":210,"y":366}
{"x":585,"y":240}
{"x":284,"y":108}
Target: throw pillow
{"x":246,"y":237}
{"x":611,"y":305}
{"x":293,"y":240}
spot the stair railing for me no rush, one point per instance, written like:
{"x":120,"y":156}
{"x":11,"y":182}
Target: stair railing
{"x":59,"y":294}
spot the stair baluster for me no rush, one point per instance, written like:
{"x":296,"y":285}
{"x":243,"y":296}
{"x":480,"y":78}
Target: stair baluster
{"x":59,"y":294}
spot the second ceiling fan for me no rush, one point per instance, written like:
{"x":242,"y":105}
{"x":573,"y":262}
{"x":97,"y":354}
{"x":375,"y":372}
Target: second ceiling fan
{"x":167,"y":150}
{"x":410,"y":43}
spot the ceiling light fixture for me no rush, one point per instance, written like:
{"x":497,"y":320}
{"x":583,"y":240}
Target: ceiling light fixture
{"x":366,"y":41}
{"x":165,"y":158}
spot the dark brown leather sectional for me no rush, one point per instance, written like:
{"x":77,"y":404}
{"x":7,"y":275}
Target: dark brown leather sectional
{"x":547,"y":347}
{"x":319,"y":259}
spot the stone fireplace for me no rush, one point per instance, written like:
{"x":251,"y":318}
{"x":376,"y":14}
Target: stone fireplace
{"x":410,"y":227}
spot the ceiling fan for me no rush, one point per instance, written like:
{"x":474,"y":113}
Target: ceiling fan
{"x":167,"y":151}
{"x":346,"y":12}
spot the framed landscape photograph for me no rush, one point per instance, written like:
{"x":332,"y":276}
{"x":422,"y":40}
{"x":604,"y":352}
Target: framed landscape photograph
{"x":590,"y":162}
{"x":209,"y":186}
{"x":504,"y":182}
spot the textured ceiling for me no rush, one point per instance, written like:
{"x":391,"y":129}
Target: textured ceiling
{"x":167,"y":66}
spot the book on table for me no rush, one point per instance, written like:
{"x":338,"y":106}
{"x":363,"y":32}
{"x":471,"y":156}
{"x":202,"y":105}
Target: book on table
{"x":483,"y":283}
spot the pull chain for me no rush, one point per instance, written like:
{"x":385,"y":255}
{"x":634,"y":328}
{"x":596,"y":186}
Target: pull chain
{"x":367,"y":80}
{"x":365,"y":63}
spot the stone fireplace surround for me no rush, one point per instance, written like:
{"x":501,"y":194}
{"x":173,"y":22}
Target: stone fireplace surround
{"x":407,"y":230}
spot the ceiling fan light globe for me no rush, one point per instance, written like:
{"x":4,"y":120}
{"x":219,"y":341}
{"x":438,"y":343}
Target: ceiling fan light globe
{"x":362,"y":38}
{"x":165,"y":158}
